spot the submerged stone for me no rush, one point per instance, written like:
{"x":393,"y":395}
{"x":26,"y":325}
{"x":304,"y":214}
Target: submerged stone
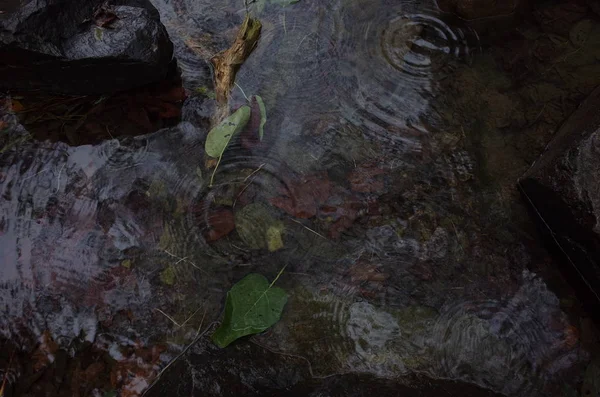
{"x":563,"y":189}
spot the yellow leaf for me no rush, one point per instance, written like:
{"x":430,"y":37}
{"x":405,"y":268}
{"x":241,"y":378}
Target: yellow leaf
{"x":274,"y":240}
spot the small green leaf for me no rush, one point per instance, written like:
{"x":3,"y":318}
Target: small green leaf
{"x":252,"y":306}
{"x":263,"y":116}
{"x":219,"y":137}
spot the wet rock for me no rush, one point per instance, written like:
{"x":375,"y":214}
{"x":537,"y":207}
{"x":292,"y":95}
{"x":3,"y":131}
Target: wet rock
{"x":82,"y":47}
{"x":563,"y":188}
{"x":246,"y":369}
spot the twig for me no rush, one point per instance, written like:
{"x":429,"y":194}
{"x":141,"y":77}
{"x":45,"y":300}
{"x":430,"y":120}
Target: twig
{"x":109,"y":134}
{"x":308,"y":228}
{"x":184,"y":260}
{"x":254,"y":172}
{"x":169,"y":317}
{"x":190,"y":317}
{"x":278,"y":275}
{"x":201,"y":322}
{"x":243,"y":93}
{"x":539,"y":115}
{"x":196,"y":339}
{"x":36,"y":174}
{"x":246,"y":187}
{"x":457,"y":238}
{"x":58,"y":178}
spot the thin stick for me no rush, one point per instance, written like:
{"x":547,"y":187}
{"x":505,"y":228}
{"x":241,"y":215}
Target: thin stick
{"x":169,"y":317}
{"x":185,"y":260}
{"x":34,"y":175}
{"x":278,"y":275}
{"x":58,"y":179}
{"x":201,"y":322}
{"x":246,"y":187}
{"x":308,"y":228}
{"x":254,"y":172}
{"x":243,"y":93}
{"x":457,"y":238}
{"x":190,"y":317}
{"x":196,"y":339}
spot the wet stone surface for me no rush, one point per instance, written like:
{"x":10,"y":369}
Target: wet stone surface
{"x":385,"y":184}
{"x":82,"y":47}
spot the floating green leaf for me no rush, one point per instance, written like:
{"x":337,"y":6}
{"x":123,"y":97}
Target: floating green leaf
{"x":219,"y":137}
{"x":252,"y":306}
{"x":263,"y":116}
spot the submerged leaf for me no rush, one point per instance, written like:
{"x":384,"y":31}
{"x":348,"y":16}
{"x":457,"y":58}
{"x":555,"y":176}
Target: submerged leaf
{"x":167,"y":276}
{"x":263,"y":116}
{"x":274,"y":240}
{"x":218,"y":138}
{"x":252,"y":306}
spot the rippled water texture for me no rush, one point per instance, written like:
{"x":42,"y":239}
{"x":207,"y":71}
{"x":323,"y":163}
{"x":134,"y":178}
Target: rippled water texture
{"x":402,"y":257}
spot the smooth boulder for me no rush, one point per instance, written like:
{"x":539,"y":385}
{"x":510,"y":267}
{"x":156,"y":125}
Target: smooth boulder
{"x":81,"y":46}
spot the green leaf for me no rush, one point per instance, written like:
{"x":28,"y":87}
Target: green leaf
{"x":252,"y":306}
{"x":219,"y":137}
{"x":263,"y":116}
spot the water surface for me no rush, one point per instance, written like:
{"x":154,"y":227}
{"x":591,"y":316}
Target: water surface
{"x":393,"y":142}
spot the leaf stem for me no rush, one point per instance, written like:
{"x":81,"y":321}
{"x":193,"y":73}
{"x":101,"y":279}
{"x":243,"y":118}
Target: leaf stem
{"x":277,"y":277}
{"x":212,"y":177}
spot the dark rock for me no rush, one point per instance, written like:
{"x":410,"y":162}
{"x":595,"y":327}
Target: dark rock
{"x":563,"y":189}
{"x":491,"y":19}
{"x":477,"y":9}
{"x":246,"y":369}
{"x":82,"y":46}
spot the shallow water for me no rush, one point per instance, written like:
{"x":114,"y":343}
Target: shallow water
{"x":391,"y":150}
